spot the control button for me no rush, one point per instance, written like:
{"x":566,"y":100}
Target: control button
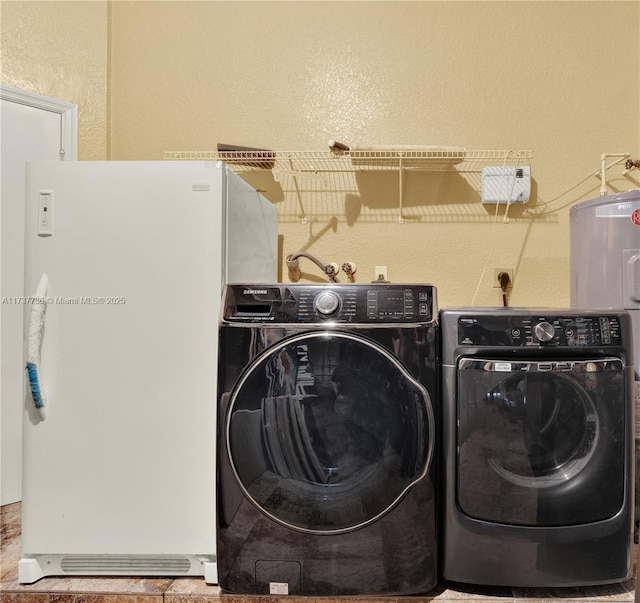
{"x":424,"y":309}
{"x":544,"y":331}
{"x":326,"y":303}
{"x":515,"y":332}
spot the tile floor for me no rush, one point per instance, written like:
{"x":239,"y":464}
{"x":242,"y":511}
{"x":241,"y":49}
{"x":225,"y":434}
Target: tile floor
{"x":194,"y":590}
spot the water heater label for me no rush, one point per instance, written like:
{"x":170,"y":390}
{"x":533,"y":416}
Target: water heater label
{"x":617,"y":210}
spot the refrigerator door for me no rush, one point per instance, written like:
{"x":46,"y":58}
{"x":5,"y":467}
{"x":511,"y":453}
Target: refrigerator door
{"x":120,"y":477}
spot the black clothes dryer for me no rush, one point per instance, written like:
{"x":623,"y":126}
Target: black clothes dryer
{"x":326,"y":439}
{"x":537,"y":446}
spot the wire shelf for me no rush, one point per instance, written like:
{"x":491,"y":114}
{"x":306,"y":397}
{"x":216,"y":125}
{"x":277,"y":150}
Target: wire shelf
{"x":461,"y":160}
{"x":319,"y":183}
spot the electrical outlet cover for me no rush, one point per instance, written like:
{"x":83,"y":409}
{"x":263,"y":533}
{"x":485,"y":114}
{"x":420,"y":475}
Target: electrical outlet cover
{"x":509,"y":182}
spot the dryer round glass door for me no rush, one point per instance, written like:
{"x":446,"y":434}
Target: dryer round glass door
{"x":536,"y":440}
{"x":327,"y":431}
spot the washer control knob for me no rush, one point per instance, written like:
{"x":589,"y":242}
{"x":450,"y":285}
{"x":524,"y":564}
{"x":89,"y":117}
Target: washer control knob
{"x":326,"y":303}
{"x":544,"y":331}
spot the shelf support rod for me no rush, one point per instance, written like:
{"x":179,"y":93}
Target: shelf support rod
{"x":303,"y":215}
{"x":400,"y":188}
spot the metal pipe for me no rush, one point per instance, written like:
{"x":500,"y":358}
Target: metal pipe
{"x":350,"y":269}
{"x":630,"y":164}
{"x":294,"y":269}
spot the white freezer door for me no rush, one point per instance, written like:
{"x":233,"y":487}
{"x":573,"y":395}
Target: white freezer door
{"x":125,"y":461}
{"x":251,"y":234}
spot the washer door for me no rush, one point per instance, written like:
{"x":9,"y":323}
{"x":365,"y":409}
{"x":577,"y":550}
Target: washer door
{"x":327,"y":431}
{"x":541,"y":443}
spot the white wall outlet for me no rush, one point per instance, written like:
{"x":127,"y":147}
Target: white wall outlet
{"x":380,"y":273}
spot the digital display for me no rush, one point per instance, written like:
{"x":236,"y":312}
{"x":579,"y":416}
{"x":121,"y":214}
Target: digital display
{"x":391,"y":302}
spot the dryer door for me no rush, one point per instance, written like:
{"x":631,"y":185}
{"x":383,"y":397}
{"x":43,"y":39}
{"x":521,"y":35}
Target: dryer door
{"x":327,"y":431}
{"x":541,"y":443}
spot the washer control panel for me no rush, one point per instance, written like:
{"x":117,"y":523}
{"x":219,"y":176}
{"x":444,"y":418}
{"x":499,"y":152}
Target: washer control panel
{"x":348,"y":303}
{"x":536,"y":330}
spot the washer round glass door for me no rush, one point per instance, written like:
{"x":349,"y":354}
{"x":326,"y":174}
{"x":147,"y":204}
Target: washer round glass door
{"x":326,"y":431}
{"x":538,"y":439}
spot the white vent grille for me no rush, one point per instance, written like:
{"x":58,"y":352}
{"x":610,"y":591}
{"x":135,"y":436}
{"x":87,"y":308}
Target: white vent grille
{"x":125,"y":564}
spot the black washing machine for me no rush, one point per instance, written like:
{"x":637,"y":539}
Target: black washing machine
{"x":326,"y":439}
{"x":537,"y":446}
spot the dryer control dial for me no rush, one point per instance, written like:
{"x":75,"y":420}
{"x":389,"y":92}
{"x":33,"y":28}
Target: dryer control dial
{"x":326,"y":303}
{"x":544,"y":331}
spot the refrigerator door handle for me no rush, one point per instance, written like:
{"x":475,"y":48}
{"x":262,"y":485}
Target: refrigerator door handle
{"x":35,"y":331}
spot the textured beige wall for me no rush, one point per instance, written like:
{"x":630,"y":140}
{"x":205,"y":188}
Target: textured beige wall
{"x":559,"y":78}
{"x":59,"y":49}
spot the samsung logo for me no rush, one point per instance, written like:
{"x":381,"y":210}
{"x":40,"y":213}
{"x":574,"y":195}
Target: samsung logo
{"x":254,"y":292}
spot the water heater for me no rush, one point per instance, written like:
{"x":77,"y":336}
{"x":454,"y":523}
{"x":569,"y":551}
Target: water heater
{"x":605,"y":257}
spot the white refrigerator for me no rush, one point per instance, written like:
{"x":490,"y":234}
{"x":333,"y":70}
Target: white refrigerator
{"x":119,"y":430}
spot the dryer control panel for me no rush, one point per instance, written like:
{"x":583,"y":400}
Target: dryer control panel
{"x":535,"y":330}
{"x":348,"y":303}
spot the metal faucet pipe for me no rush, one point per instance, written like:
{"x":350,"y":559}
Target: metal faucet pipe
{"x":630,"y":164}
{"x":294,"y":268}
